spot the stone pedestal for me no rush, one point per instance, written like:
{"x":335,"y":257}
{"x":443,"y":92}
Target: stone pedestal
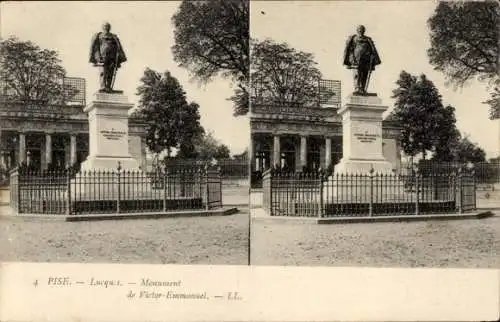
{"x":362,"y":151}
{"x":108,"y":133}
{"x":108,"y":146}
{"x":362,"y":136}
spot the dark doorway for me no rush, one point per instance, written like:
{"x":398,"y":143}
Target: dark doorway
{"x":34,"y":159}
{"x":58,"y":159}
{"x":313,"y":153}
{"x":288,"y":154}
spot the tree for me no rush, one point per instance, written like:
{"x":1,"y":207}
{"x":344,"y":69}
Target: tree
{"x":282,"y":75}
{"x":212,"y":38}
{"x":241,"y":156}
{"x":426,"y":124}
{"x":467,"y":151}
{"x":449,"y":135}
{"x":464,"y":43}
{"x":494,"y":101}
{"x":29,"y":73}
{"x":207,"y":147}
{"x":172,"y":121}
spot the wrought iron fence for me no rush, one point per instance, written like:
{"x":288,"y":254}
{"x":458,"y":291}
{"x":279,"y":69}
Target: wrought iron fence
{"x":484,"y":172}
{"x":115,"y":191}
{"x":317,"y":194}
{"x":230,"y":169}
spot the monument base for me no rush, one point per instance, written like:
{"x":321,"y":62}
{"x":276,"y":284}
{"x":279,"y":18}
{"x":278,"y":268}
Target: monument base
{"x":107,"y":185}
{"x":110,"y":163}
{"x":381,"y":166}
{"x":361,"y":188}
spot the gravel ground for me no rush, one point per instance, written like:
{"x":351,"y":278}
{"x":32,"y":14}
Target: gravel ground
{"x":197,"y":240}
{"x":232,"y":195}
{"x":458,"y":243}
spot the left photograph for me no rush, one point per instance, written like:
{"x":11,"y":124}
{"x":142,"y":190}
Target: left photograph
{"x":124,"y":132}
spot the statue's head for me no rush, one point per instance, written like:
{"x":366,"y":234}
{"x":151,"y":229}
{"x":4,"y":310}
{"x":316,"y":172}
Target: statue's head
{"x":106,"y":26}
{"x":361,"y":30}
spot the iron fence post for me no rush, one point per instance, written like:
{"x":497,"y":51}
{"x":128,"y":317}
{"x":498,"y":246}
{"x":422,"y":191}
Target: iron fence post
{"x":68,"y":188}
{"x":271,"y":179}
{"x":219,"y":175}
{"x":370,"y":210}
{"x":206,"y":188}
{"x":459,"y":193}
{"x":118,"y":169}
{"x":18,"y":204}
{"x":417,"y":191}
{"x":165,"y":175}
{"x":474,"y":187}
{"x":321,"y":201}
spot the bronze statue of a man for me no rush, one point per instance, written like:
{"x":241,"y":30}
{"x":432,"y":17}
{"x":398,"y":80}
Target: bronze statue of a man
{"x":361,"y":55}
{"x":107,"y":53}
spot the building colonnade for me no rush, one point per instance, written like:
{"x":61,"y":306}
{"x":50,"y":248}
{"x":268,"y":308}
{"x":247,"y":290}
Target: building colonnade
{"x":42,"y":149}
{"x":295,"y":152}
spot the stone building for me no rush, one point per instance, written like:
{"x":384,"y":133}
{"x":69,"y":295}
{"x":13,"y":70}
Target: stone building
{"x":53,"y":136}
{"x":305,"y":137}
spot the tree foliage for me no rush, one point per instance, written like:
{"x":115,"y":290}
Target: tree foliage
{"x":206,"y":147}
{"x":30,"y":73}
{"x":465,"y":43}
{"x":172,"y":121}
{"x":449,"y":135}
{"x":467,"y":151}
{"x":426,"y":124}
{"x":212,"y":38}
{"x":282,"y":75}
{"x":241,"y":156}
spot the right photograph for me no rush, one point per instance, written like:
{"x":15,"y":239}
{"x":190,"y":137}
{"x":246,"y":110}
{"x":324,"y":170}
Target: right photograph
{"x":375,"y":134}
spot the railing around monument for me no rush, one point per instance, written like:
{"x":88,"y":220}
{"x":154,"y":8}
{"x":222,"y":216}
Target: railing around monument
{"x":230,"y":169}
{"x":317,"y":194}
{"x":115,"y":191}
{"x":485,"y":173}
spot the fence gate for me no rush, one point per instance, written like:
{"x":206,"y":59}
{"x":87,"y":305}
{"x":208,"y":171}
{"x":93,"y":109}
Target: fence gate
{"x":213,"y":189}
{"x":468,"y":193}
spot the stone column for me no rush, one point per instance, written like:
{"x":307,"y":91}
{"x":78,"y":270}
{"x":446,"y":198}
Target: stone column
{"x":303,"y":152}
{"x":328,"y":152}
{"x":22,"y":147}
{"x":72,"y":151}
{"x":4,"y":161}
{"x":48,"y":149}
{"x":276,"y":150}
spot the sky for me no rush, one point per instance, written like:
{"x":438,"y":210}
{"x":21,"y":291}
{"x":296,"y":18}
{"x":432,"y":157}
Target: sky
{"x":401,"y":35}
{"x":399,"y":29}
{"x":146,"y":33}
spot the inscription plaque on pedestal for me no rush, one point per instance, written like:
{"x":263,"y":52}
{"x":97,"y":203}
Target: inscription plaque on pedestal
{"x":108,"y":133}
{"x":362,"y":136}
